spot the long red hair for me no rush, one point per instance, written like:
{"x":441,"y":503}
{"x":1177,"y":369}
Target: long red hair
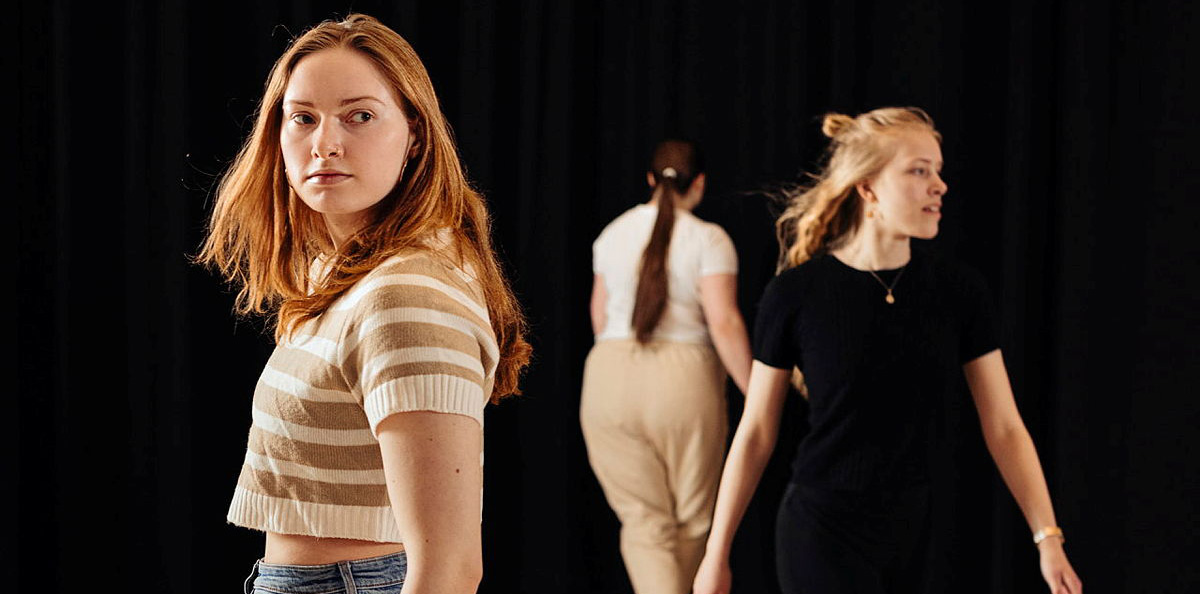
{"x":263,"y":239}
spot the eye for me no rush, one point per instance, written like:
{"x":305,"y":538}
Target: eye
{"x":921,"y":171}
{"x":361,"y":117}
{"x":301,"y":118}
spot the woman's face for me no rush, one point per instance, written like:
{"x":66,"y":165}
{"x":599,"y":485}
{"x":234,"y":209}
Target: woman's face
{"x":344,"y":138}
{"x":906,"y":196}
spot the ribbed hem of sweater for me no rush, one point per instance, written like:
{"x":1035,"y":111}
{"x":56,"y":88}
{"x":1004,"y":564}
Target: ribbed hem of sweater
{"x":436,"y":393}
{"x":286,"y":516}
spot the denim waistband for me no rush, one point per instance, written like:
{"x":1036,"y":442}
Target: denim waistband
{"x":343,"y":576}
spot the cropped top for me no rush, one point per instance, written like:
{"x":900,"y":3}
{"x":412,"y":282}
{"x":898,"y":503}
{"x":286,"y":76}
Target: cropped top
{"x":412,"y":335}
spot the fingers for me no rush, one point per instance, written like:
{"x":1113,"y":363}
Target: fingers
{"x":1074,"y":582}
{"x":1065,"y":581}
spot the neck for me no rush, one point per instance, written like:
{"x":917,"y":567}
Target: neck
{"x":342,"y":226}
{"x":873,"y":248}
{"x":681,"y":202}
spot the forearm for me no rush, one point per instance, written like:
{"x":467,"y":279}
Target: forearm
{"x":733,"y":347}
{"x":434,"y":571}
{"x":1015,"y":456}
{"x":748,"y":456}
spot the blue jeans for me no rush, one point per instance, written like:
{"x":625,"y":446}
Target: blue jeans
{"x":377,"y":575}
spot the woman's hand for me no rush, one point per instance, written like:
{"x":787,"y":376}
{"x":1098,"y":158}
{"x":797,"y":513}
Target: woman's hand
{"x":713,"y":576}
{"x":1057,"y":570}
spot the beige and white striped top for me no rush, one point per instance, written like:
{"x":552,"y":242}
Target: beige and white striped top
{"x":414,"y":334}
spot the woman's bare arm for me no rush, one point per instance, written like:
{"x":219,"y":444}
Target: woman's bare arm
{"x":434,"y":479}
{"x":718,"y":298}
{"x":1011,"y":447}
{"x":596,"y":307}
{"x":753,"y":443}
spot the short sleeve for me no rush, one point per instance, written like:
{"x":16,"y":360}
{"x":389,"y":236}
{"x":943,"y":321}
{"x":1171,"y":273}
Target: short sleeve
{"x":718,"y":255}
{"x":418,"y":341}
{"x":774,"y":340}
{"x":599,"y":260}
{"x":979,"y":332}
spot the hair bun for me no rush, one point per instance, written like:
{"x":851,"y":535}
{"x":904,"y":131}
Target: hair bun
{"x":835,"y":124}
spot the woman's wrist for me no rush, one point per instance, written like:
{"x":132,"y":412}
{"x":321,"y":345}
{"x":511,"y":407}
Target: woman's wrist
{"x":1048,"y":533}
{"x":1050,"y":545}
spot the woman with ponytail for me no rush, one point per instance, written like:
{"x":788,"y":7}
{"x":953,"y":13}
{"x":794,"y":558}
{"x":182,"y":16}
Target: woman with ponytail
{"x":664,"y":311}
{"x":880,"y":331}
{"x":347,"y":218}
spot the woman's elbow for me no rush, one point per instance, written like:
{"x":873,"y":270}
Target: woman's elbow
{"x":471,"y":573}
{"x":726,"y":323}
{"x":453,"y":573}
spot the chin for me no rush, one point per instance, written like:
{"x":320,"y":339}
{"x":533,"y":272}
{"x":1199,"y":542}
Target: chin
{"x":925,"y":233}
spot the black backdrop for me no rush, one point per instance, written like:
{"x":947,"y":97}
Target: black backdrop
{"x":1069,"y":129}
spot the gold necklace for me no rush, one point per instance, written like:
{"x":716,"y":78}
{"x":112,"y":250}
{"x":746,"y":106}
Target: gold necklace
{"x":889,"y":297}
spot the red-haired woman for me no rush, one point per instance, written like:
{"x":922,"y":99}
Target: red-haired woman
{"x":653,"y":402}
{"x":880,"y":332}
{"x":347,"y":217}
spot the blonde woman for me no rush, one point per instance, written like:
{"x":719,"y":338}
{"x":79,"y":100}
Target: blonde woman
{"x":346,"y":216}
{"x":879,"y":331}
{"x":664,"y":310}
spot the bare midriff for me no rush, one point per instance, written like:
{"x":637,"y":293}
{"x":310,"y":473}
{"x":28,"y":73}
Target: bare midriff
{"x":298,"y":549}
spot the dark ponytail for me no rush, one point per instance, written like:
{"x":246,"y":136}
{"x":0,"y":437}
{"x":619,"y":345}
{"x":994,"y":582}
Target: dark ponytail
{"x":674,"y":166}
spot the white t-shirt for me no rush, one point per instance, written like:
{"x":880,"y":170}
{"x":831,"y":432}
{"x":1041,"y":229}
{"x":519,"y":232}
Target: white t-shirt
{"x":698,"y":248}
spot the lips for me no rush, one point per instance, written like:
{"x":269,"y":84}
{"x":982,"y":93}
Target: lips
{"x":933,"y":209}
{"x":327,"y":176}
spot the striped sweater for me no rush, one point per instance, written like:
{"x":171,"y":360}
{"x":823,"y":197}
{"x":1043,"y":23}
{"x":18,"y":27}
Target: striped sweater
{"x":413,"y":334}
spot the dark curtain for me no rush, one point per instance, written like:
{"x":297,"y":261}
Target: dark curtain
{"x":1070,"y":150}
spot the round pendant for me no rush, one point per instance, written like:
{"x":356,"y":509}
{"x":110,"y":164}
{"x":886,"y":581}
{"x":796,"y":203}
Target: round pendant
{"x":890,"y":299}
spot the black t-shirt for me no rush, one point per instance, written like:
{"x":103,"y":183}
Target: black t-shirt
{"x":877,"y":373}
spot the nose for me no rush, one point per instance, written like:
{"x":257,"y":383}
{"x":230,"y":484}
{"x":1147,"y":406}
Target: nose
{"x":939,"y":185}
{"x":327,"y":141}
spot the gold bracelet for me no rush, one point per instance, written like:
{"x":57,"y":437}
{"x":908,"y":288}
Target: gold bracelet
{"x":1047,"y":532}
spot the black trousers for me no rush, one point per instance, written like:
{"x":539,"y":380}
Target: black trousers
{"x":852,"y":542}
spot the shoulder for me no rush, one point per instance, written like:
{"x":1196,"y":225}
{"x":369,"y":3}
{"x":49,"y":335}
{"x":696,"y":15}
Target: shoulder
{"x":420,"y":279}
{"x":953,"y":272}
{"x":708,"y":229}
{"x":791,"y":285}
{"x":962,"y":286}
{"x":708,"y":235}
{"x":633,"y":216}
{"x":806,"y":273}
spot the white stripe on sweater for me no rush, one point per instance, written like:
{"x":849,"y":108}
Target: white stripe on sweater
{"x":334,"y":437}
{"x":324,"y":475}
{"x":297,"y":387}
{"x":428,"y":316}
{"x":420,"y":280}
{"x":385,"y":359}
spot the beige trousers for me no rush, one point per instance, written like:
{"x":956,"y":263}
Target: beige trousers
{"x":654,"y":422}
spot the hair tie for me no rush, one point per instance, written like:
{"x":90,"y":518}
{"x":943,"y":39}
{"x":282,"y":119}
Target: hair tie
{"x":670,"y":172}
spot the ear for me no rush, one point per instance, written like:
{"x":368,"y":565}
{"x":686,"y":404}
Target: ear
{"x":698,"y":184}
{"x":865,"y":192}
{"x":650,"y":179}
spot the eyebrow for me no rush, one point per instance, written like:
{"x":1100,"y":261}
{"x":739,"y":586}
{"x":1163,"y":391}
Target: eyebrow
{"x":919,"y":159}
{"x":343,"y":103}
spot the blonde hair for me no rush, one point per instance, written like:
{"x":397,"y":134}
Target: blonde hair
{"x":820,"y":216}
{"x":263,"y":239}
